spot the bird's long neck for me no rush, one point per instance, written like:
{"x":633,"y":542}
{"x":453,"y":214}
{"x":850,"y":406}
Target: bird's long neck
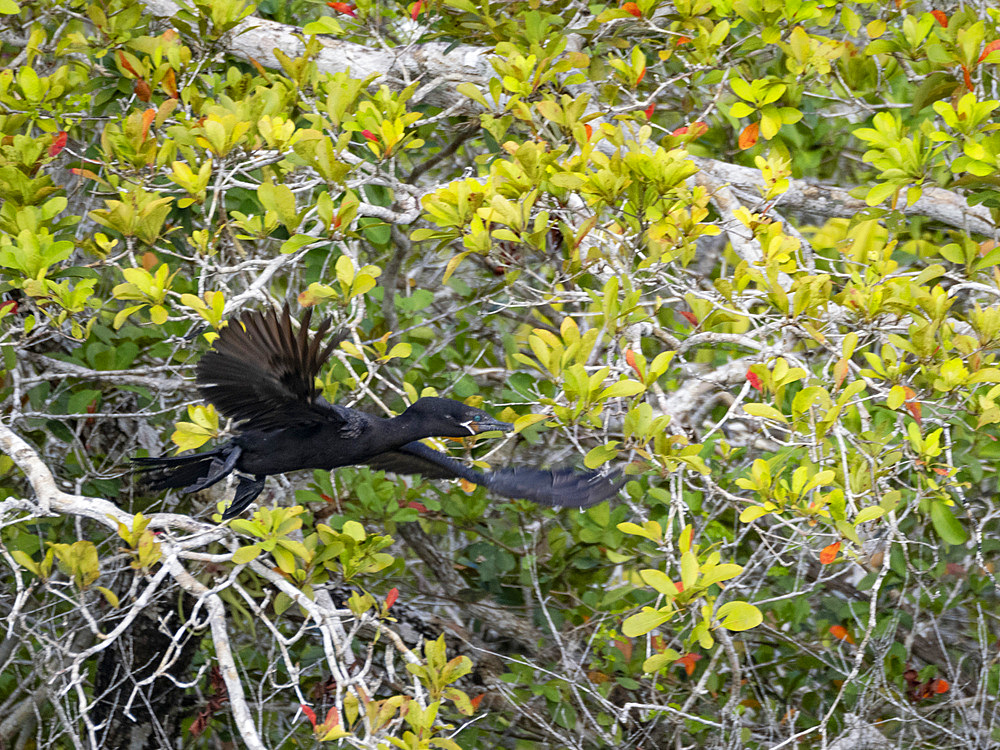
{"x":404,"y":429}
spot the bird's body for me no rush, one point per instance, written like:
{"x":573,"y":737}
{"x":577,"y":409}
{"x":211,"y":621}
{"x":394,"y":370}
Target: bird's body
{"x":262,"y":374}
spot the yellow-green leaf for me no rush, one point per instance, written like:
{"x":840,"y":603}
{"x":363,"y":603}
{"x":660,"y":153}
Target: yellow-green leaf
{"x":739,"y":616}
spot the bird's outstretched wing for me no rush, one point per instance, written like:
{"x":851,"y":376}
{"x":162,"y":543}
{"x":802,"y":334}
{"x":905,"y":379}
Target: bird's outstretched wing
{"x":556,"y":487}
{"x":263,"y":373}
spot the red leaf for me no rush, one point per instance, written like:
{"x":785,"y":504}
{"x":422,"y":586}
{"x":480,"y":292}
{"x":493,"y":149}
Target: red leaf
{"x":345,"y":8}
{"x":142,"y":90}
{"x":648,"y":111}
{"x":391,"y":597}
{"x":417,"y":7}
{"x":169,"y":84}
{"x":147,"y":119}
{"x":8,"y":308}
{"x":332,"y":718}
{"x":419,"y":507}
{"x":625,"y":646}
{"x":754,"y":380}
{"x":695,"y":129}
{"x":916,"y":411}
{"x":589,"y":130}
{"x":630,"y":360}
{"x":840,"y":633}
{"x":477,"y":700}
{"x":126,"y":64}
{"x":991,"y":47}
{"x":642,"y":74}
{"x":940,"y":686}
{"x":683,"y":40}
{"x":840,"y":371}
{"x":369,"y":135}
{"x":967,"y":77}
{"x":690,"y":317}
{"x":748,"y":138}
{"x":58,"y":143}
{"x":941,"y":17}
{"x":310,"y":714}
{"x":633,"y":9}
{"x":829,"y":553}
{"x":688,"y":661}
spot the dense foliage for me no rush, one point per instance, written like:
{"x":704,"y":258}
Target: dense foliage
{"x":744,"y":250}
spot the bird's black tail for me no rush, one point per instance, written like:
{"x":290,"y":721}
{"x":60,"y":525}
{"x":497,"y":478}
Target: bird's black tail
{"x":188,"y":473}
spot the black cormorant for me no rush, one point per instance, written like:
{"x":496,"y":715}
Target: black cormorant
{"x":262,"y":374}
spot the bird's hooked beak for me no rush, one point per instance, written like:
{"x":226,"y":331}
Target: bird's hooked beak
{"x":487,"y":424}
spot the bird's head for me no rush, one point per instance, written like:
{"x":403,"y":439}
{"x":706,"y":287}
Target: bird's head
{"x":445,"y":417}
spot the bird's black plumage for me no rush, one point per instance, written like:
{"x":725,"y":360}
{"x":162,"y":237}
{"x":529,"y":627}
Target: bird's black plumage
{"x":262,"y":373}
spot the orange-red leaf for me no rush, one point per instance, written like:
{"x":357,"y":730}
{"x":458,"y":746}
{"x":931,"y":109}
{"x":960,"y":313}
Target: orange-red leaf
{"x":940,"y":686}
{"x":748,"y":138}
{"x":633,"y":9}
{"x":829,"y":553}
{"x":840,"y":371}
{"x":169,"y":83}
{"x":690,"y":317}
{"x":126,"y":64}
{"x":840,"y":633}
{"x":967,"y":77}
{"x":648,"y":111}
{"x":147,"y":119}
{"x":417,"y":7}
{"x":941,"y":17}
{"x":310,"y":714}
{"x":625,"y":646}
{"x":369,"y":135}
{"x":630,"y":360}
{"x":688,"y":661}
{"x":991,"y":47}
{"x":346,"y":8}
{"x":142,"y":90}
{"x":754,"y":380}
{"x":642,"y":74}
{"x":58,"y":143}
{"x":391,"y":597}
{"x":913,"y":406}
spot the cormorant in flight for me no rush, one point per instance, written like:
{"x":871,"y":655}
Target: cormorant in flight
{"x":262,"y":373}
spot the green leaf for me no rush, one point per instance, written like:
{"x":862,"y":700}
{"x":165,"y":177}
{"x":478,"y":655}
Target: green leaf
{"x":245,"y":554}
{"x":739,"y":616}
{"x":868,"y":514}
{"x":656,"y":662}
{"x":643,"y":622}
{"x":765,"y":411}
{"x":623,"y":388}
{"x":600,"y":455}
{"x":659,"y":581}
{"x":946,"y":525}
{"x":751,"y":514}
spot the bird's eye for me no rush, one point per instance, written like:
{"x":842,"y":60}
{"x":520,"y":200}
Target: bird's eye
{"x":478,"y":418}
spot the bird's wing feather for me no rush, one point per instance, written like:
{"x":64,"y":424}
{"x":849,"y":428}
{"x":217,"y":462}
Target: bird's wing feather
{"x":261,"y":372}
{"x":555,"y":487}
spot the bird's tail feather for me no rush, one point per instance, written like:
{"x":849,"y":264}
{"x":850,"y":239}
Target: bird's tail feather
{"x":198,"y":471}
